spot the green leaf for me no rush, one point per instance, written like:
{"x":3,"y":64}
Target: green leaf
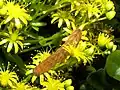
{"x":97,"y":80}
{"x":113,"y":65}
{"x":15,"y":58}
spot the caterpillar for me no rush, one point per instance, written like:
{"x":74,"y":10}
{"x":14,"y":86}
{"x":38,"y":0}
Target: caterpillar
{"x":59,"y":56}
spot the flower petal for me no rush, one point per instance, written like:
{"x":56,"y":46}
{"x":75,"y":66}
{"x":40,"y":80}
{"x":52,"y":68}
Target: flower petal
{"x":8,"y":19}
{"x":20,"y":43}
{"x":16,"y":47}
{"x":18,"y":23}
{"x":20,"y":38}
{"x":60,"y":22}
{"x":54,"y":19}
{"x":23,"y":20}
{"x":3,"y":41}
{"x":34,"y":78}
{"x":67,"y":22}
{"x":10,"y":45}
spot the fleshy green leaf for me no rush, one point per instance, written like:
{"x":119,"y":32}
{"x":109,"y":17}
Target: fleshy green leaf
{"x":98,"y":79}
{"x":113,"y":65}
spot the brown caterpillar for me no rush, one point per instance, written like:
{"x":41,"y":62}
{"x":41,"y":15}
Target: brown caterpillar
{"x":59,"y":56}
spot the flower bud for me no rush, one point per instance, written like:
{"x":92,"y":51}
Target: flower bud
{"x":90,"y":50}
{"x":109,"y":45}
{"x":70,"y":88}
{"x":68,"y":82}
{"x":109,"y":5}
{"x":114,"y":48}
{"x":102,"y":40}
{"x":110,"y":15}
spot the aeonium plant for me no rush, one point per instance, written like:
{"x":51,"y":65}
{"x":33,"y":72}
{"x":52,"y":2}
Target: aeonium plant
{"x":84,"y":12}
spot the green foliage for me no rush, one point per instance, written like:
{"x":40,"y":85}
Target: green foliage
{"x":112,"y":65}
{"x":98,"y":83}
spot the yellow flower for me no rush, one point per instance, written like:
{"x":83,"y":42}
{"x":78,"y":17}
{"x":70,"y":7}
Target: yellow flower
{"x":79,"y":52}
{"x":13,"y":39}
{"x":8,"y":78}
{"x":40,"y":57}
{"x":51,"y":84}
{"x":61,"y":17}
{"x":17,"y":13}
{"x":103,"y":39}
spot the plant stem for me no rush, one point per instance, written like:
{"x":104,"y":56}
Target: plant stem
{"x":30,"y":49}
{"x":90,"y":22}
